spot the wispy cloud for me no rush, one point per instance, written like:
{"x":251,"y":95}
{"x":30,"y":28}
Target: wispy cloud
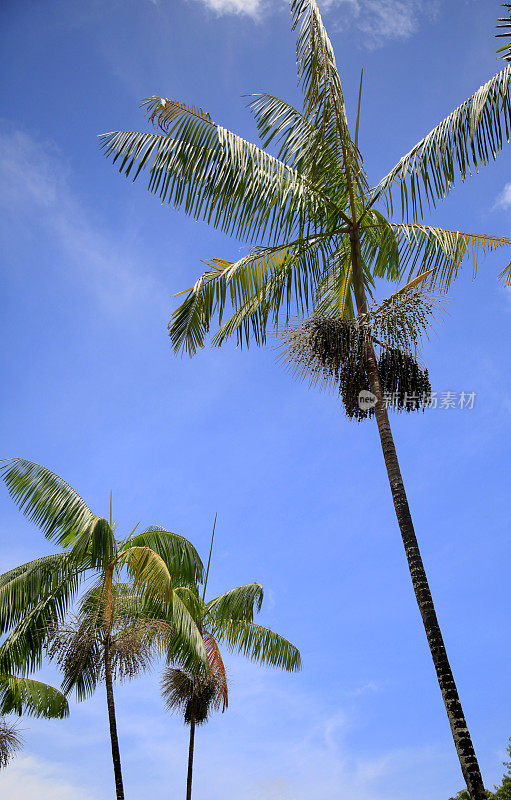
{"x":379,"y":21}
{"x":503,"y":200}
{"x":32,"y":777}
{"x":37,"y":192}
{"x":382,"y":20}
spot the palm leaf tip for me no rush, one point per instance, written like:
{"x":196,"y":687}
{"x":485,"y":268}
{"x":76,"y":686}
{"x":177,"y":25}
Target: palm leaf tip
{"x":47,"y":500}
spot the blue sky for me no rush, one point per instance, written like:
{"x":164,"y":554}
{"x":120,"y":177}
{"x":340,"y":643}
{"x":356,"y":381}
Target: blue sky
{"x":91,"y":389}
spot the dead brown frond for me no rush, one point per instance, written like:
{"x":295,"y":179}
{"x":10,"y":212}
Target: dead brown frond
{"x":194,"y":696}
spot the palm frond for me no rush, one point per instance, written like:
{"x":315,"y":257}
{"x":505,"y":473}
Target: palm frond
{"x":323,"y":96}
{"x":469,"y":138}
{"x":46,"y":499}
{"x":27,"y":696}
{"x":259,"y":288}
{"x":24,"y":586}
{"x":505,"y":26}
{"x":258,"y":644}
{"x":301,"y":145}
{"x":179,"y":555}
{"x":216,"y":176}
{"x":22,"y":650}
{"x":441,"y":251}
{"x":217,"y":667}
{"x":237,"y":604}
{"x":148,"y":571}
{"x":10,"y":742}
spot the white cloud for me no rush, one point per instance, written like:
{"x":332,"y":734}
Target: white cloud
{"x":29,"y":777}
{"x":503,"y":201}
{"x":37,"y":192}
{"x":382,"y":20}
{"x":252,"y":8}
{"x":379,"y":20}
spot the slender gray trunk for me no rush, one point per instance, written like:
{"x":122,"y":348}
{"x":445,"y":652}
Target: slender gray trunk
{"x":116,"y":756}
{"x":459,"y":728}
{"x":190,"y":760}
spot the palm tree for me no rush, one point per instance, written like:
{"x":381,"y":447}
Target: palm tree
{"x":195,"y":688}
{"x":194,"y":697}
{"x":105,"y":642}
{"x":319,"y":240}
{"x":35,"y":596}
{"x":25,"y":696}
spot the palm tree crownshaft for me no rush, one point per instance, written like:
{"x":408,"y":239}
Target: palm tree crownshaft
{"x":461,"y":735}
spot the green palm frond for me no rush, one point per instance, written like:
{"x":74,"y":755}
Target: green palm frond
{"x":22,"y":650}
{"x":259,"y":287}
{"x":190,"y":597}
{"x":24,"y":586}
{"x":10,"y":742}
{"x":258,"y":644}
{"x":180,"y":556}
{"x":187,"y":647}
{"x":469,"y":138}
{"x":301,"y":145}
{"x":48,"y":500}
{"x":148,"y":571}
{"x":424,"y":247}
{"x":237,"y":604}
{"x":26,"y":696}
{"x":323,"y":96}
{"x":505,"y":26}
{"x":215,"y":175}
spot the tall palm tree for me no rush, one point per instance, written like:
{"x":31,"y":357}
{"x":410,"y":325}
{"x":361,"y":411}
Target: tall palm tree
{"x":35,"y":596}
{"x":25,"y":696}
{"x":320,"y":235}
{"x":196,"y":688}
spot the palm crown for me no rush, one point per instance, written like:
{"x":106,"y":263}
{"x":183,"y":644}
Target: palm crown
{"x":36,"y":595}
{"x":309,"y":208}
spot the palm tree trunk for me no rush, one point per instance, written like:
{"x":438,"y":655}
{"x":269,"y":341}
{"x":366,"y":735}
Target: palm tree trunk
{"x":190,"y":760}
{"x":460,"y":732}
{"x":116,"y":756}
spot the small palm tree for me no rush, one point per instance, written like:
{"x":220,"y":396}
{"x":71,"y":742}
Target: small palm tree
{"x":25,"y":696}
{"x":194,"y":696}
{"x":195,"y":688}
{"x":35,"y":596}
{"x":319,"y":240}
